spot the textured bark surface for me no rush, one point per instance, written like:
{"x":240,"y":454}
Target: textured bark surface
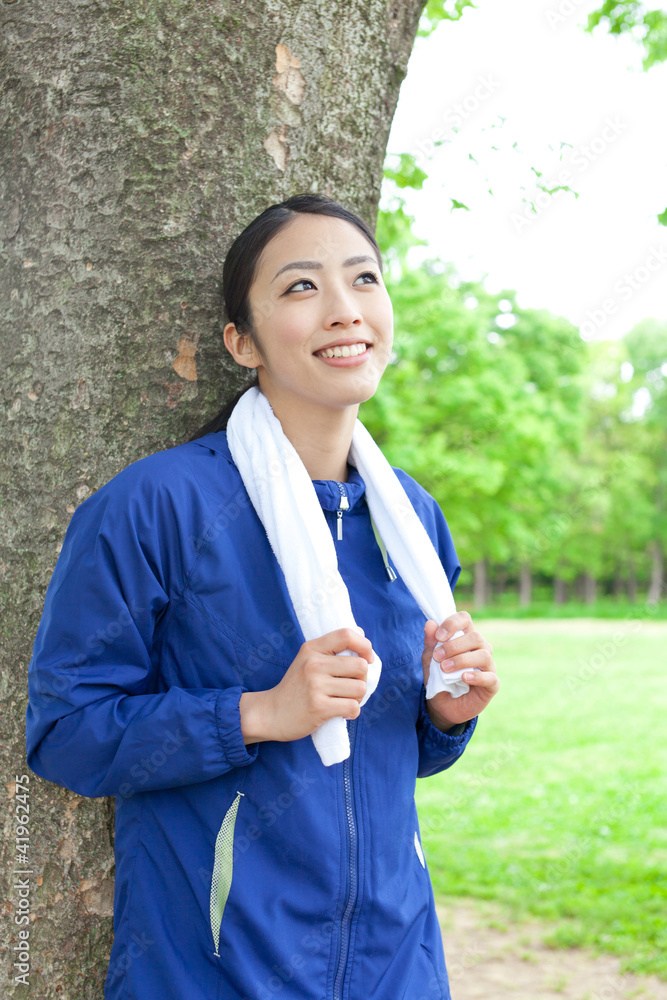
{"x":480,"y":584}
{"x":525,"y":586}
{"x":657,"y":585}
{"x":137,"y":140}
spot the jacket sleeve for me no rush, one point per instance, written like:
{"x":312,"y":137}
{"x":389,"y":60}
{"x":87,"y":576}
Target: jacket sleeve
{"x":96,"y":720}
{"x":437,"y":750}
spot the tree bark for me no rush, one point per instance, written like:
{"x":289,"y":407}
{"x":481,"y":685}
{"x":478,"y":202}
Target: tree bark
{"x":525,"y":586}
{"x":480,"y":587}
{"x":138,"y":139}
{"x":657,"y":584}
{"x":560,"y":590}
{"x":632,"y":580}
{"x":590,"y":588}
{"x":619,"y":581}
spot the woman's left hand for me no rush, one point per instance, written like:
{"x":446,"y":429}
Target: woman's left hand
{"x":467,"y":651}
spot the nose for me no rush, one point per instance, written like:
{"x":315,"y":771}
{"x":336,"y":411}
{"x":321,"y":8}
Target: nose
{"x":343,"y":311}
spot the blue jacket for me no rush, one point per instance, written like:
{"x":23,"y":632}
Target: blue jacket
{"x":242,"y":872}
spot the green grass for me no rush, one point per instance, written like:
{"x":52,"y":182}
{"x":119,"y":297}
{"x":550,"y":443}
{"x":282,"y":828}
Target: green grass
{"x":544,"y":607}
{"x":558,"y":808}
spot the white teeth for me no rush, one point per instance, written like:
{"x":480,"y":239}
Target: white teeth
{"x":350,"y":351}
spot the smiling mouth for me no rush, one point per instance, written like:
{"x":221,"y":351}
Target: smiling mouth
{"x":344,"y":351}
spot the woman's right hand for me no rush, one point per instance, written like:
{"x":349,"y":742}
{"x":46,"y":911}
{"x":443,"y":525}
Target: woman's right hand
{"x":318,"y":685}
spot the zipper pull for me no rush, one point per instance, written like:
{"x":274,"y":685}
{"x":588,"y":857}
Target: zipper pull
{"x":339,"y":527}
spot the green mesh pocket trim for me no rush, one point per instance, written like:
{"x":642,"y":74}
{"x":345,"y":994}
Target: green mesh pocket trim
{"x":223,"y":865}
{"x":383,"y":549}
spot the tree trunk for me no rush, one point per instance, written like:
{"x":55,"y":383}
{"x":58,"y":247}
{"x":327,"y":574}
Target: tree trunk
{"x":590,"y":588}
{"x":139,"y":139}
{"x":480,"y":589}
{"x":657,"y":584}
{"x":632,"y":580}
{"x":560,"y":591}
{"x":525,"y":586}
{"x":619,"y":582}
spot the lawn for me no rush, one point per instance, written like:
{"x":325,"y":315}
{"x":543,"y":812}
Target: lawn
{"x":558,"y":808}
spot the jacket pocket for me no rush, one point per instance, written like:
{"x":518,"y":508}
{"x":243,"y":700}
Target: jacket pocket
{"x":223,"y":865}
{"x":438,"y":984}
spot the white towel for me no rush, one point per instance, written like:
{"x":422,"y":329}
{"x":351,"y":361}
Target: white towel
{"x":285,"y":500}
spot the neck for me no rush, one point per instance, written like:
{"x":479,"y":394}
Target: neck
{"x":321,"y":438}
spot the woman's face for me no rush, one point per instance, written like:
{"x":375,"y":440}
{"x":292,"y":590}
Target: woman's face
{"x":317,"y":288}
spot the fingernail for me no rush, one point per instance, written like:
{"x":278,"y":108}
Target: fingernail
{"x":469,"y":676}
{"x":441,"y":635}
{"x":447,"y":663}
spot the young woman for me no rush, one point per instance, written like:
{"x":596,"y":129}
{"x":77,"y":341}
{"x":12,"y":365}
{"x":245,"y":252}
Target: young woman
{"x":170,"y":669}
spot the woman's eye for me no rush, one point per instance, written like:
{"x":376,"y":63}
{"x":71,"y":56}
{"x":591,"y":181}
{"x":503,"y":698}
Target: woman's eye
{"x":304,"y":281}
{"x":368,"y":274}
{"x":307,"y":281}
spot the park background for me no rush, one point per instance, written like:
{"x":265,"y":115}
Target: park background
{"x":531,"y":319}
{"x":526,"y":393}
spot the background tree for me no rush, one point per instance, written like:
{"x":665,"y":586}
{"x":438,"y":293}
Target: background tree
{"x":137,"y":140}
{"x":482,"y":403}
{"x":633,"y":17}
{"x":546,"y":453}
{"x":647,"y":352}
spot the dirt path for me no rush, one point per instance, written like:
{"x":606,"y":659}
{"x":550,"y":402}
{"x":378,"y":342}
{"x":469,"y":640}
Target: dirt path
{"x":488,"y":958}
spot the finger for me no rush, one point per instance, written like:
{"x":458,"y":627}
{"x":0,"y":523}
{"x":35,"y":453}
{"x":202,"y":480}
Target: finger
{"x":345,"y":687}
{"x":480,"y":658}
{"x":347,"y":666}
{"x":342,"y":639}
{"x":338,"y":666}
{"x":430,"y":641}
{"x":470,"y":640}
{"x":461,"y":621}
{"x":486,"y":679}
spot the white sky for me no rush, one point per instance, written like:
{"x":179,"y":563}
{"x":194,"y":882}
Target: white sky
{"x":599,"y":259}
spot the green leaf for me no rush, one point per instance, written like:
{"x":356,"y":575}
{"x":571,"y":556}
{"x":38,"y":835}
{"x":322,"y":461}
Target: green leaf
{"x":632,"y":17}
{"x":440,"y":10}
{"x":405,"y":172}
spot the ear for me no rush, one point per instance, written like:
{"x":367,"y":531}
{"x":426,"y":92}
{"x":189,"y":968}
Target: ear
{"x":240,"y":346}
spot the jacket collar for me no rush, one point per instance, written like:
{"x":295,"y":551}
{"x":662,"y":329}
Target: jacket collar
{"x":328,"y":490}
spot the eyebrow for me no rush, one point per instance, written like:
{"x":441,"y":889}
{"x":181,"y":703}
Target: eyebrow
{"x":313,"y":265}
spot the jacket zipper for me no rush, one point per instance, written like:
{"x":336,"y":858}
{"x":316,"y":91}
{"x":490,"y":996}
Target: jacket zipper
{"x":343,"y":505}
{"x":352,"y":898}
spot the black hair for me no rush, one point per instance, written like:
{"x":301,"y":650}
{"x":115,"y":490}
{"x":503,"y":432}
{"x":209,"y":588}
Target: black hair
{"x":240,"y":265}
